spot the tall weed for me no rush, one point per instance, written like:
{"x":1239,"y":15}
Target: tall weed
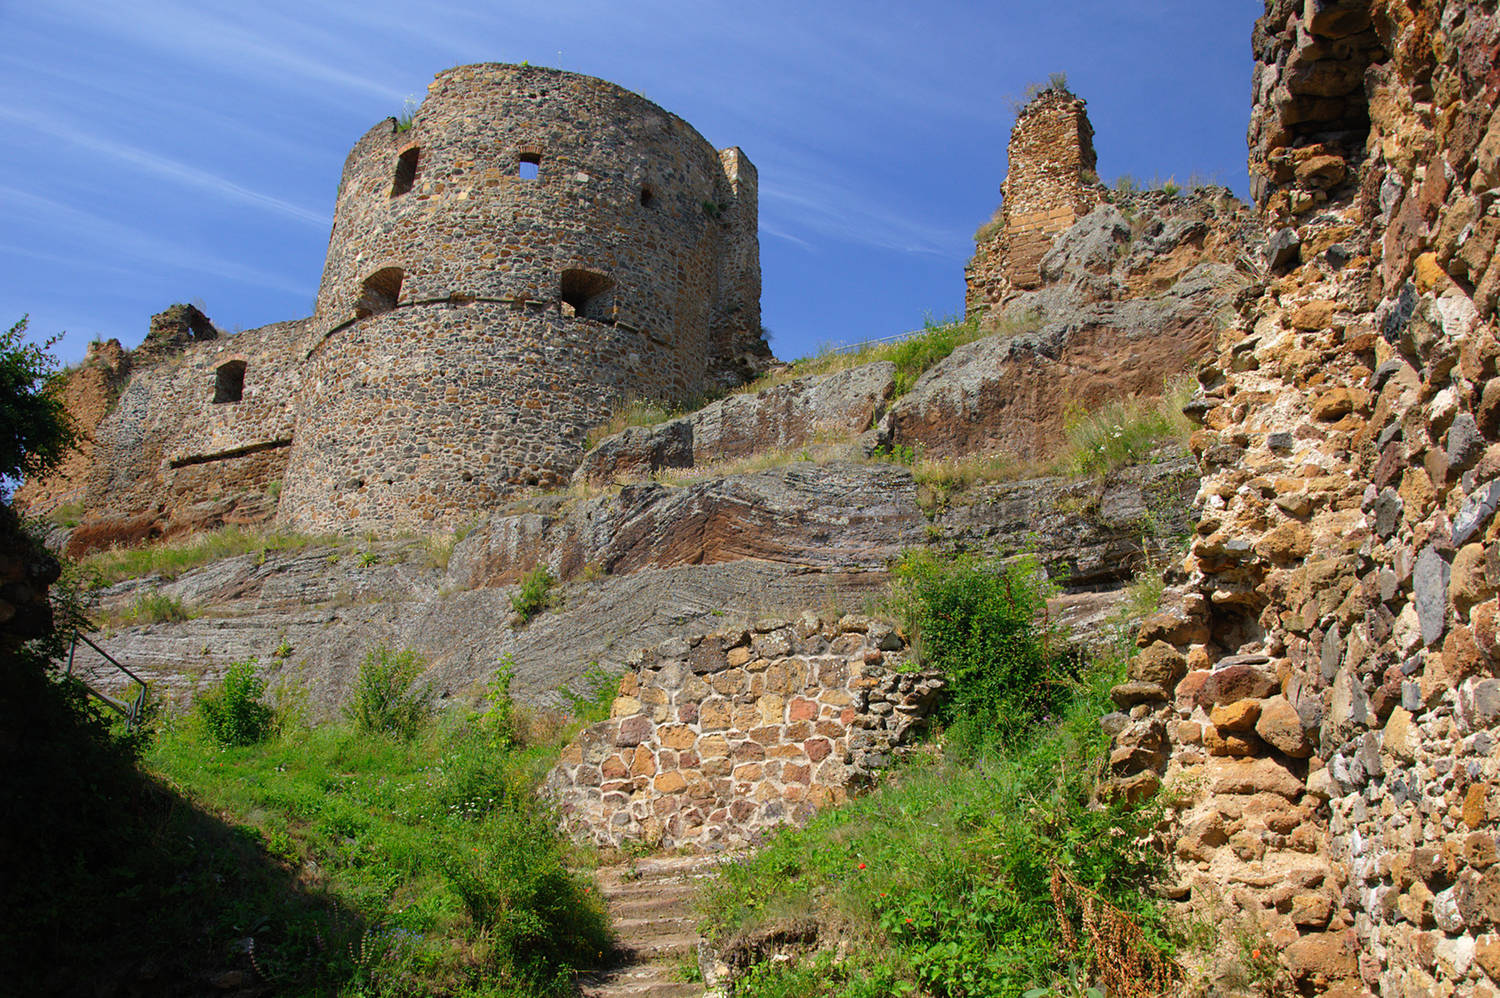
{"x":387,"y":698}
{"x":234,"y":711}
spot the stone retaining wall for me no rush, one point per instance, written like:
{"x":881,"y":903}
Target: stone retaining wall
{"x":715,"y":739}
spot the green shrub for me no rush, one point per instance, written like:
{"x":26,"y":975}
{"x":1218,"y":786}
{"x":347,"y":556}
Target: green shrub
{"x":535,"y":594}
{"x":498,"y":722}
{"x":387,"y":698}
{"x":980,"y":623}
{"x":517,"y":885}
{"x":234,"y":712}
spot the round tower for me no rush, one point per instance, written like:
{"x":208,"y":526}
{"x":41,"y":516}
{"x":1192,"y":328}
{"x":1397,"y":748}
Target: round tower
{"x":534,"y":247}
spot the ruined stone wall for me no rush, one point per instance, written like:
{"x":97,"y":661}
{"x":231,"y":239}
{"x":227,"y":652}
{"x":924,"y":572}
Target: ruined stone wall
{"x":88,"y":394}
{"x":165,"y":449}
{"x":716,"y":739}
{"x":1323,"y":688}
{"x":427,"y":415}
{"x":1049,"y":184}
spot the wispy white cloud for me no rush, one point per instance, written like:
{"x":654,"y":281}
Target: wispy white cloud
{"x":113,"y":241}
{"x":828,"y":209}
{"x":254,"y":44}
{"x":777,"y":232}
{"x":175,"y":170}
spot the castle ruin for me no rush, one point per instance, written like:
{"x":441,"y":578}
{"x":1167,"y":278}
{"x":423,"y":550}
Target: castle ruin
{"x":533,"y":248}
{"x":1049,"y":184}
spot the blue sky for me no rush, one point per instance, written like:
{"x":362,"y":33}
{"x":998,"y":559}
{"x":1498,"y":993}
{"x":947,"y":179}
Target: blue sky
{"x":189,"y":150}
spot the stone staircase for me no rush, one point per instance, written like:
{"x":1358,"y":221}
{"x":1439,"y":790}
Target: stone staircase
{"x":650,"y":904}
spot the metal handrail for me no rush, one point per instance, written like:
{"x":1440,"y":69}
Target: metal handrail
{"x":132,"y":709}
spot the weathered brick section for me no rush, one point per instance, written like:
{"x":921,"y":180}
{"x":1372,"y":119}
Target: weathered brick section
{"x":1326,"y":686}
{"x":715,"y":739}
{"x":1049,"y":185}
{"x":534,"y":248}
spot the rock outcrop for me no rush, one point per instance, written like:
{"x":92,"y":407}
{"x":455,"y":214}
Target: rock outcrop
{"x":783,"y":417}
{"x":1134,"y":292}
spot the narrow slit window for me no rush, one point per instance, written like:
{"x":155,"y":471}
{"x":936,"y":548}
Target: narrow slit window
{"x":229,"y":382}
{"x":588,"y":294}
{"x":648,"y":196}
{"x":531,"y":165}
{"x":379,"y":293}
{"x":406,"y":172}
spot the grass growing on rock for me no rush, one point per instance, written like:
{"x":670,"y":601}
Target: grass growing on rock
{"x":912,"y":356}
{"x":172,"y":558}
{"x":1123,"y":432}
{"x":940,"y":882}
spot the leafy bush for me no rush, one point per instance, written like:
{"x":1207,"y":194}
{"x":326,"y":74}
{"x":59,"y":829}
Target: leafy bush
{"x":980,"y":623}
{"x":535,"y":594}
{"x":35,"y":429}
{"x":234,"y":712}
{"x":387,"y":698}
{"x":498,"y":722}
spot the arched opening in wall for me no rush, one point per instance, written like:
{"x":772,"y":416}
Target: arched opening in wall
{"x":648,"y":196}
{"x":589,"y":294}
{"x":406,"y":172}
{"x":531,"y":165}
{"x":380,"y":292}
{"x":229,"y":381}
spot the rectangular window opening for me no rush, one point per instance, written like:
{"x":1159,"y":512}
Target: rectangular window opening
{"x":406,"y":172}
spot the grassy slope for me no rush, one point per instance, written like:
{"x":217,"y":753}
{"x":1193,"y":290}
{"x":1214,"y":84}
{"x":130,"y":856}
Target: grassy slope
{"x":939,"y":881}
{"x":453,"y":877}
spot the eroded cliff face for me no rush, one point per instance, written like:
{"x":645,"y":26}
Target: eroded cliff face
{"x":1322,"y":689}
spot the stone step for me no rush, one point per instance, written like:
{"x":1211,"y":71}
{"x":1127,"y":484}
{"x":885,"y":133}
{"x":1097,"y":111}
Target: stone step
{"x":658,"y":979}
{"x":646,"y":907}
{"x":632,"y":889}
{"x":673,"y":944}
{"x":663,"y":924}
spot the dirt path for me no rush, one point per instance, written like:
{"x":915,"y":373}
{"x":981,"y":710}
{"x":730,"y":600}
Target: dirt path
{"x":651,"y":904}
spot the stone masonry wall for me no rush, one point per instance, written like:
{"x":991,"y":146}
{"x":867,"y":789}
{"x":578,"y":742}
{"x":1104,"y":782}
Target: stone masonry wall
{"x":165,"y":445}
{"x":1325,"y":687}
{"x":523,"y":307}
{"x":715,"y":739}
{"x":1049,"y":184}
{"x":506,"y":393}
{"x":534,"y":248}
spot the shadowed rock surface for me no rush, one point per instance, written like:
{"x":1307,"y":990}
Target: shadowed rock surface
{"x":841,"y":404}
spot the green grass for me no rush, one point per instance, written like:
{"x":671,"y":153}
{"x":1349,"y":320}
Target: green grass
{"x":939,"y":882}
{"x":172,"y":558}
{"x":912,"y":356}
{"x":1125,"y":431}
{"x":453,"y":876}
{"x":152,"y":608}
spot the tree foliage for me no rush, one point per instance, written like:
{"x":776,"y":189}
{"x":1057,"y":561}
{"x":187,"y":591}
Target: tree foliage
{"x":35,"y":430}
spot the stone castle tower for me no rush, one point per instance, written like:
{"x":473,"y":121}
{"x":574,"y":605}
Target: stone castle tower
{"x":1050,"y":183}
{"x":534,"y":248}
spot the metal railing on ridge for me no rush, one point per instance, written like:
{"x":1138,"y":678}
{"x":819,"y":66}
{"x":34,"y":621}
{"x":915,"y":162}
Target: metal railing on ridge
{"x":132,"y":709}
